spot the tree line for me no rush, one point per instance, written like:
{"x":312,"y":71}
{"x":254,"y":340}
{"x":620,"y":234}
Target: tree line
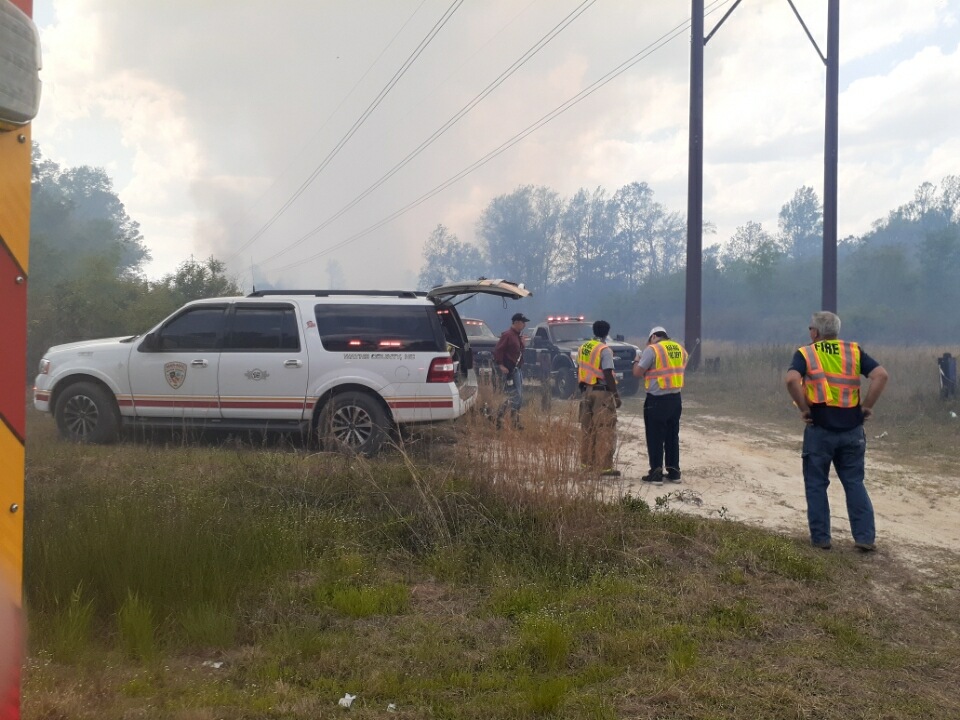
{"x":622,"y":255}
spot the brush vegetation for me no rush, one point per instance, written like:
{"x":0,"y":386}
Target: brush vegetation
{"x":479,"y":578}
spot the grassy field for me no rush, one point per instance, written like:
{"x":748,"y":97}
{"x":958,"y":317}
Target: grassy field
{"x":195,"y":581}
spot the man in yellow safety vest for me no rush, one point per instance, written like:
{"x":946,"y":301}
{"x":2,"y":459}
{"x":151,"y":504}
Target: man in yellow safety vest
{"x":824,"y":382}
{"x":661,"y":365}
{"x":599,"y":401}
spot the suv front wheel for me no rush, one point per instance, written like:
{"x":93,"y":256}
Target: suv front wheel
{"x":352,"y":422}
{"x":86,"y":413}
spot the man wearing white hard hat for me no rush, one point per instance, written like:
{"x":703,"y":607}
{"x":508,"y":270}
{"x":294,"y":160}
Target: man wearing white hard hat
{"x":661,"y":365}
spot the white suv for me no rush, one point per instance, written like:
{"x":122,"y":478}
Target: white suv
{"x":349,"y":366}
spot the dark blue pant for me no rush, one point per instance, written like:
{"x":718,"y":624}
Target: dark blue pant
{"x":846,"y":450}
{"x":661,"y":420}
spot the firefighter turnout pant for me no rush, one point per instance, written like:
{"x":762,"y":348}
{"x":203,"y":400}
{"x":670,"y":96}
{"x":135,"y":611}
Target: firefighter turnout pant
{"x":598,"y":422}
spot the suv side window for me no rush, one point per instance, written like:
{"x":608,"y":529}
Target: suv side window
{"x":388,"y":328}
{"x":199,"y":328}
{"x":263,"y":328}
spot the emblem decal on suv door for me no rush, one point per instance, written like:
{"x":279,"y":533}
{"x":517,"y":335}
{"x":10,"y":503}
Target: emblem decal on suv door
{"x":256,"y":374}
{"x":175,"y":373}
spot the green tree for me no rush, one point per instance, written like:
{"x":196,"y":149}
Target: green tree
{"x":801,"y":225}
{"x":587,"y":254}
{"x":754,"y":252}
{"x":77,"y":211}
{"x":447,"y":259}
{"x":650,"y":241}
{"x":521,"y":233}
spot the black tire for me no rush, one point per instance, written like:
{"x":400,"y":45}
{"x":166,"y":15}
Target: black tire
{"x":87,"y":413}
{"x":629,"y":386}
{"x":352,"y":423}
{"x":566,"y":383}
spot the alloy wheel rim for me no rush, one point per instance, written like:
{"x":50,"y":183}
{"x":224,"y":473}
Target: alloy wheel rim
{"x":352,"y":426}
{"x":81,"y":416}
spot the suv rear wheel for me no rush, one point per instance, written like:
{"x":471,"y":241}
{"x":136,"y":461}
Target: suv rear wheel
{"x":86,"y":413}
{"x":352,"y":422}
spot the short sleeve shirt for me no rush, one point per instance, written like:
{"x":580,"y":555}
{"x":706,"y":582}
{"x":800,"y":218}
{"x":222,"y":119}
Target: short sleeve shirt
{"x":836,"y":419}
{"x":606,"y":359}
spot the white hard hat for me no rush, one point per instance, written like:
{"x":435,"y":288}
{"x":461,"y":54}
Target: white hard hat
{"x":655,"y":330}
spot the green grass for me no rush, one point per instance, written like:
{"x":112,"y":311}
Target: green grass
{"x":431,"y":582}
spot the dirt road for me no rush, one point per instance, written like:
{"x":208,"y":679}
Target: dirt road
{"x":751,"y":473}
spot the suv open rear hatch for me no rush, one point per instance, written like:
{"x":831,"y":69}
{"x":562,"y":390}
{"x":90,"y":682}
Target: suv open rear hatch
{"x":483,"y":286}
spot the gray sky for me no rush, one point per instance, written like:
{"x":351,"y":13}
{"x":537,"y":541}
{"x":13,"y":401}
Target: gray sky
{"x":210,"y":115}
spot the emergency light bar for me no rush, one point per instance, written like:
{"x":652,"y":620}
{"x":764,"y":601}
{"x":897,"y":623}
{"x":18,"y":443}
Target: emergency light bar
{"x":565,"y":318}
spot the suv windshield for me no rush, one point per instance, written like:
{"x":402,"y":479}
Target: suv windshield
{"x":565,"y":332}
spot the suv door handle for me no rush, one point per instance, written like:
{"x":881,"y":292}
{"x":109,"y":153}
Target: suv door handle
{"x":199,"y":363}
{"x":293,"y":363}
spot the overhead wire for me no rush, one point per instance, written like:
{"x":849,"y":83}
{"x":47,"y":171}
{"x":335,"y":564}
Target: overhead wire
{"x":317,"y":132}
{"x":440,"y":131}
{"x":553,"y":114}
{"x":454,"y":6}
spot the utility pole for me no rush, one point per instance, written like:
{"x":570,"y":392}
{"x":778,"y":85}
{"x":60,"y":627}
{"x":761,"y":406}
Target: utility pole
{"x":694,"y":285}
{"x":694,"y":289}
{"x":830,"y":159}
{"x":828,"y":295}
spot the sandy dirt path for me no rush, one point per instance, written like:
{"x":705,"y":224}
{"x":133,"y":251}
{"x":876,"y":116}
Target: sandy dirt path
{"x":751,"y":473}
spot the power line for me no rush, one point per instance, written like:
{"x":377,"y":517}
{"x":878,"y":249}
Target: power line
{"x":477,"y":99}
{"x":316,"y":133}
{"x":553,"y":114}
{"x":357,"y":124}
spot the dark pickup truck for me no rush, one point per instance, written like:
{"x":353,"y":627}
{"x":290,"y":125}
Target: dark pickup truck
{"x":550,"y":355}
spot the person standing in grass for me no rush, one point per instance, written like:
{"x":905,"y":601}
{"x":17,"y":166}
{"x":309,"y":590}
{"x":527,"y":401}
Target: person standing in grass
{"x":661,"y":365}
{"x":824,"y":382}
{"x":599,"y":401}
{"x":508,"y":356}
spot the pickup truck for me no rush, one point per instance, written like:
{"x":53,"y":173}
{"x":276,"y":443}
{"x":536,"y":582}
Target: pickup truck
{"x":550,"y":355}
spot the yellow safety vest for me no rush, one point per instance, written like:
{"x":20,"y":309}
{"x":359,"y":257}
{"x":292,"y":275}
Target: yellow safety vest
{"x":833,"y":373}
{"x":667,"y":371}
{"x":588,"y":362}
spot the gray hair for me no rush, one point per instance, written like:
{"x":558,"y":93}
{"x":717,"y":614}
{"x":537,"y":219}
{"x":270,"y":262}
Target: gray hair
{"x":826,"y":323}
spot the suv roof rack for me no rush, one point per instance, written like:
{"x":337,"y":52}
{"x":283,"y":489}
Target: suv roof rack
{"x":328,"y":293}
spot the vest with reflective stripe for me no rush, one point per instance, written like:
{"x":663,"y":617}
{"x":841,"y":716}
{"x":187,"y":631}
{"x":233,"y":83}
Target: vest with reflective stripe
{"x":667,"y":371}
{"x":833,"y":373}
{"x":588,"y":362}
